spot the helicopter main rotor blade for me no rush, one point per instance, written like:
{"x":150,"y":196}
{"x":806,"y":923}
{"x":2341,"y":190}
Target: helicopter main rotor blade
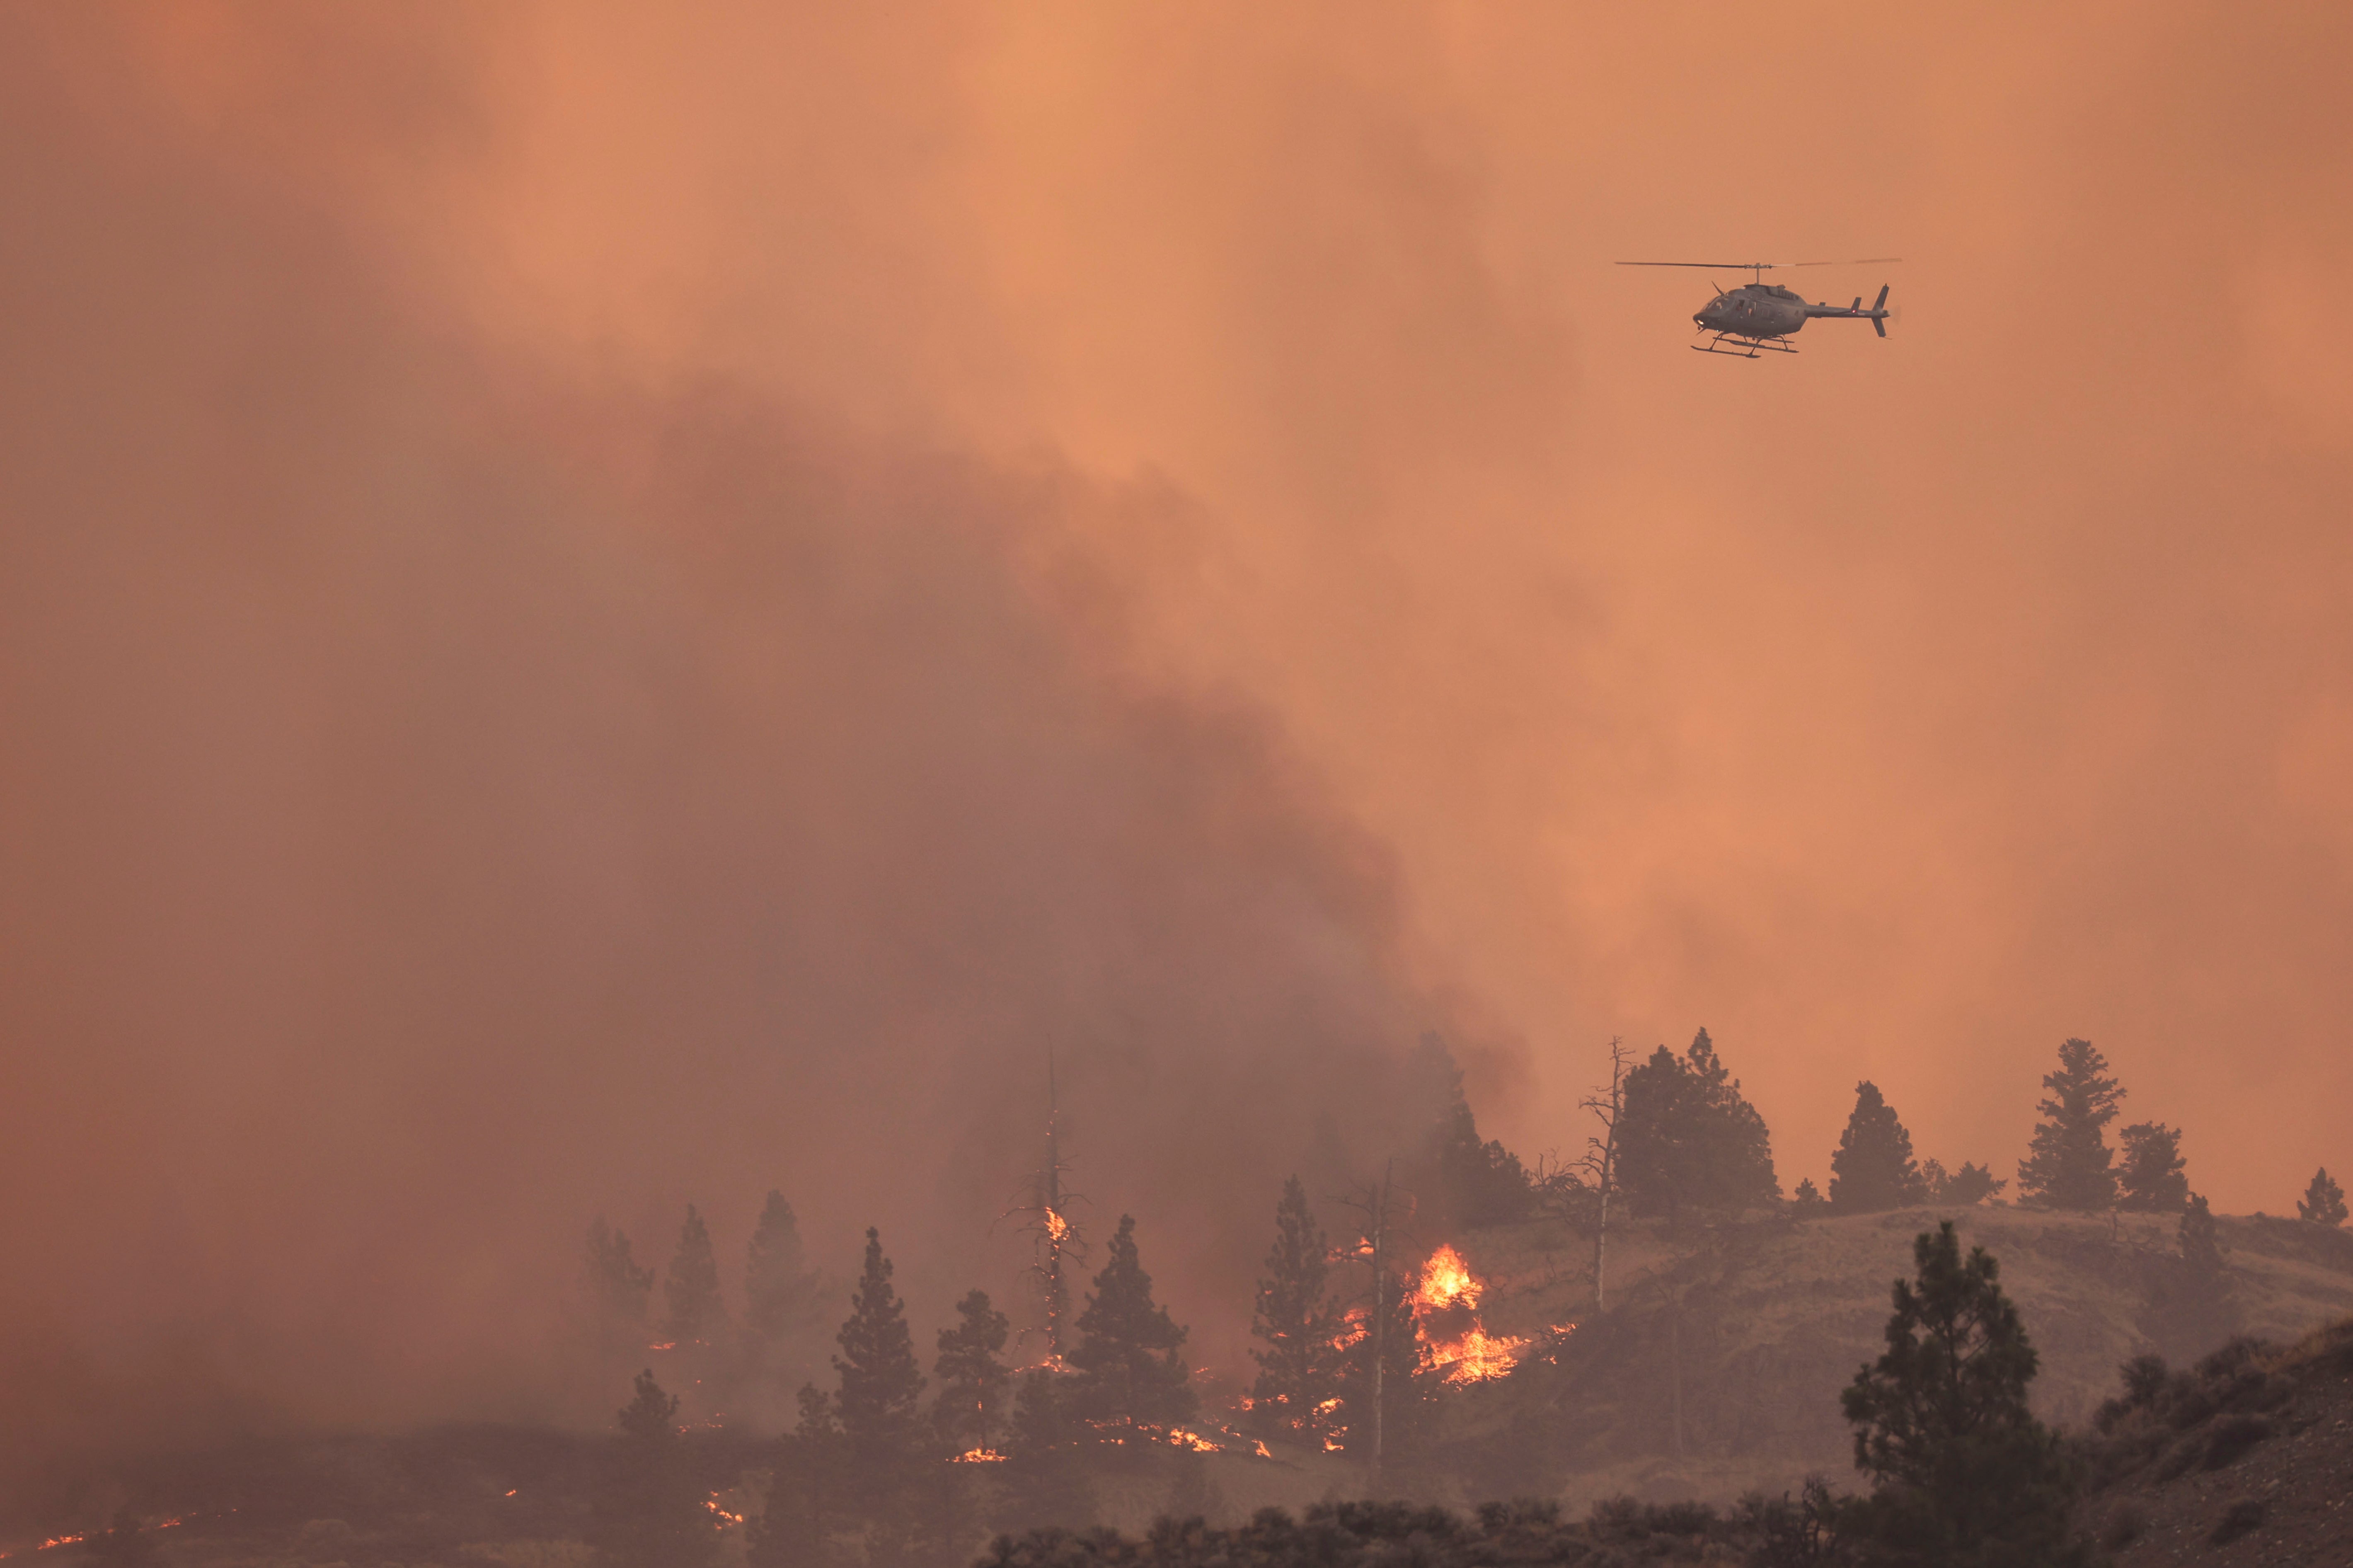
{"x":1767,"y":266}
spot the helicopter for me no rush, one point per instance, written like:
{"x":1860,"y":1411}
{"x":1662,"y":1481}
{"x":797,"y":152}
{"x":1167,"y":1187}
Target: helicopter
{"x":1758,"y":315}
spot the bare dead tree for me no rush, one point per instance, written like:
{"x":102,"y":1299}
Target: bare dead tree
{"x":1057,"y":1248}
{"x":1380,"y":1204}
{"x":1601,"y":1159}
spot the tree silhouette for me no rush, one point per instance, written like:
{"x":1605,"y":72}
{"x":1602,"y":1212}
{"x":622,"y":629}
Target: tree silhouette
{"x":1969,"y":1185}
{"x":1807,"y":1200}
{"x":880,"y":1384}
{"x":617,"y":1288}
{"x":2153,"y":1180}
{"x":1687,"y":1140}
{"x":696,"y":1315}
{"x":1873,"y":1170}
{"x":1128,"y":1361}
{"x":1294,"y":1319}
{"x":780,"y":1290}
{"x":808,"y":1500}
{"x":2066,"y":1166}
{"x":1475,"y":1183}
{"x":973,"y":1379}
{"x":2323,"y":1202}
{"x":1964,"y":1474}
{"x":1046,"y":1480}
{"x":649,"y":1513}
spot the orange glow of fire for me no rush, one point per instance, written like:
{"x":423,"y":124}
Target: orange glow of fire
{"x":1057,"y":1226}
{"x":1194,"y":1441}
{"x":1260,"y":1445}
{"x":725,"y":1519}
{"x":666,"y":1345}
{"x":979,"y":1456}
{"x":1468,"y":1354}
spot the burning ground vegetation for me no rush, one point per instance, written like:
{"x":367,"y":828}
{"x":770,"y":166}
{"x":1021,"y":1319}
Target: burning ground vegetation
{"x":1715,"y":1372}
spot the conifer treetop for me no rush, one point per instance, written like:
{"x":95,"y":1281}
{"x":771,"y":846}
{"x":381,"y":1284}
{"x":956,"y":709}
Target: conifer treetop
{"x":1129,"y":1357}
{"x":2067,"y":1165}
{"x":2324,"y":1201}
{"x":1873,"y":1170}
{"x":880,"y":1384}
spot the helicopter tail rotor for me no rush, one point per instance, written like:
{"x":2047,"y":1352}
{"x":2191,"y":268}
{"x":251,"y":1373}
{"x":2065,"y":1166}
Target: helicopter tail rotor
{"x":1878,"y":311}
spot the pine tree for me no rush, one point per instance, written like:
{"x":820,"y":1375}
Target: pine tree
{"x":1807,"y":1200}
{"x":2200,"y":1242}
{"x":880,"y":1384}
{"x":1964,"y":1474}
{"x":1688,"y":1140}
{"x":1407,"y":1388}
{"x":2066,"y":1166}
{"x":973,"y":1379}
{"x":1873,"y":1170}
{"x":1129,"y":1360}
{"x":1046,"y":1480}
{"x":2323,"y":1202}
{"x":2153,"y":1180}
{"x":1969,"y":1185}
{"x":696,"y":1315}
{"x":808,"y":1503}
{"x":1292,"y":1315}
{"x":617,"y":1288}
{"x":649,"y":1513}
{"x":1476,"y":1184}
{"x":780,"y":1292}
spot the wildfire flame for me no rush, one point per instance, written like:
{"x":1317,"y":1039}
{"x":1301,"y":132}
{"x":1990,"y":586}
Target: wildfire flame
{"x":1057,"y":1227}
{"x":725,"y":1519}
{"x":979,"y":1456}
{"x":1445,"y":1320}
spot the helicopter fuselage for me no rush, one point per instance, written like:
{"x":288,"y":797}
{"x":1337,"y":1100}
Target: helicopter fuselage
{"x":1761,"y":311}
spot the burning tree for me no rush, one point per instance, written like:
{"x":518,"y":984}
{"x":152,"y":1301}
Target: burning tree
{"x":1128,"y":1361}
{"x":1058,"y":1247}
{"x":1296,"y":1379}
{"x":1382,"y":1389}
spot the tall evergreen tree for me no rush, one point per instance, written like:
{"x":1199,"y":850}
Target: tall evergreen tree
{"x":1129,"y":1359}
{"x":1295,"y":1320}
{"x":2200,"y":1241}
{"x":1046,"y":1479}
{"x":2153,"y":1180}
{"x":809,"y":1504}
{"x":2067,"y":1164}
{"x":1474,"y":1182}
{"x":1873,"y":1170}
{"x":649,"y":1513}
{"x":780,"y":1290}
{"x":1964,"y":1473}
{"x":881,"y":1387}
{"x":972,"y":1376}
{"x":697,"y":1315}
{"x":617,"y":1288}
{"x":1686,"y":1139}
{"x":1407,"y":1389}
{"x":2323,"y":1202}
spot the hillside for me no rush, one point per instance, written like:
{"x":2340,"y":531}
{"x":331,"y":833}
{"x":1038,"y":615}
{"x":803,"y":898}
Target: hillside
{"x":1717,"y":1367}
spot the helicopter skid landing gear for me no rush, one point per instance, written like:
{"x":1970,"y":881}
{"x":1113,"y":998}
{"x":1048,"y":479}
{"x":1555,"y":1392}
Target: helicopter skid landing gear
{"x":1743,"y":348}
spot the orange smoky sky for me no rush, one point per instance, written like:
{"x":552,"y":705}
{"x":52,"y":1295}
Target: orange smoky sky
{"x":608,"y":605}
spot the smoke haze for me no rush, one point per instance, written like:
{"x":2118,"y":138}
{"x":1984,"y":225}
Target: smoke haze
{"x":604,"y":610}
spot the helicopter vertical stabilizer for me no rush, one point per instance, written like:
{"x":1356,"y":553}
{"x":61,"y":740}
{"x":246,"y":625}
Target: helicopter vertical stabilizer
{"x":1878,"y":311}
